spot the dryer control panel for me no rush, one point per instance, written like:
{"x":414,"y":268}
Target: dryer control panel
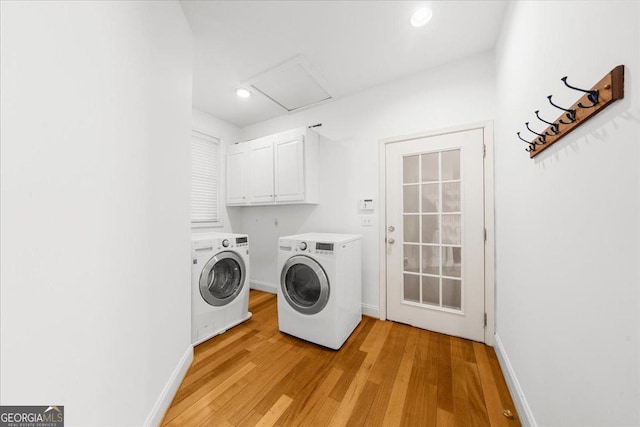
{"x":324,"y":248}
{"x":307,"y":247}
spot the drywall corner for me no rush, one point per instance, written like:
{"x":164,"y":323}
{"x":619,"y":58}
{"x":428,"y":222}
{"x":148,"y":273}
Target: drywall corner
{"x":170,"y":389}
{"x":517,"y":394}
{"x":264,"y":287}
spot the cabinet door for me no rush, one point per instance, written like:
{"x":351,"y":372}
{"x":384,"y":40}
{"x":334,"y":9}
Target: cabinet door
{"x":261,"y":171}
{"x":237,"y":175}
{"x":289,"y":173}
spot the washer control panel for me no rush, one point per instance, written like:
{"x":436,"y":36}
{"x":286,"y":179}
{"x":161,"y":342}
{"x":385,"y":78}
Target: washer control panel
{"x":238,"y":242}
{"x":241,"y":242}
{"x":209,"y":245}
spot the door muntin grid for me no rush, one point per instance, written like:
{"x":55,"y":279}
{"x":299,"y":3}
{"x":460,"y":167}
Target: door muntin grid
{"x":432,"y":230}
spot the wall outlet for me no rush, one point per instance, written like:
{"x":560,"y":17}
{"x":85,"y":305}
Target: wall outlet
{"x":366,"y":220}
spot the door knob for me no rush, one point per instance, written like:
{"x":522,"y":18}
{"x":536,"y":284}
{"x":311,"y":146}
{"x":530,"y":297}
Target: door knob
{"x":391,"y":228}
{"x":391,"y":241}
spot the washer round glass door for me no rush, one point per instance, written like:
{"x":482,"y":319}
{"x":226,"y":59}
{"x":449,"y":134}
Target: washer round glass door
{"x":304,"y":284}
{"x":222,"y":278}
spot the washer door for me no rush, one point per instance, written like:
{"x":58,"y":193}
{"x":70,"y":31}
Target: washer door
{"x":304,"y":284}
{"x":222,"y":278}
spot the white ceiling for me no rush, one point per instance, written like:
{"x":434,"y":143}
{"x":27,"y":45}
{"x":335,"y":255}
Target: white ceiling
{"x":352,"y":45}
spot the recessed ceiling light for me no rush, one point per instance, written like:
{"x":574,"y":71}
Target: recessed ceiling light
{"x":421,"y":16}
{"x":243,"y":93}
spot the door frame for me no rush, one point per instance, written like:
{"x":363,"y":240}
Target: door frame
{"x":489,"y":217}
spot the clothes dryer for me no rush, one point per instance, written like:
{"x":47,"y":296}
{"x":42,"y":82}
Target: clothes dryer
{"x":320,"y":294}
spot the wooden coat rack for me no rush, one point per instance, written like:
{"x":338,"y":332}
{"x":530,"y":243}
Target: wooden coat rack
{"x":609,"y":89}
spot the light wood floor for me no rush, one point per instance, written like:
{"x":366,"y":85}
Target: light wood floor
{"x":386,"y":374}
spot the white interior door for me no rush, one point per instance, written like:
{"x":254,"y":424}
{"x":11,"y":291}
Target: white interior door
{"x":435,"y":233}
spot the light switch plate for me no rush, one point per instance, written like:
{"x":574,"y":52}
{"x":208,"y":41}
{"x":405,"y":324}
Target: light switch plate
{"x":366,"y":220}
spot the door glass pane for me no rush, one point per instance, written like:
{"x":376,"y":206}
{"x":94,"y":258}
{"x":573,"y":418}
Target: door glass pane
{"x":450,"y":165}
{"x":412,"y":287}
{"x":451,"y":293}
{"x":410,"y":198}
{"x":412,"y":228}
{"x":430,"y":197}
{"x":302,"y":285}
{"x":410,"y":169}
{"x":432,"y":222}
{"x":430,"y":290}
{"x":451,"y":197}
{"x":225,"y":278}
{"x":431,"y":259}
{"x":451,"y":229}
{"x":430,"y":232}
{"x":412,"y":258}
{"x":451,"y":261}
{"x":430,"y":170}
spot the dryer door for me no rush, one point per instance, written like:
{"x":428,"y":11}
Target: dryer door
{"x":222,"y":278}
{"x":304,"y":284}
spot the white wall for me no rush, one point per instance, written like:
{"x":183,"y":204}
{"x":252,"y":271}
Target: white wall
{"x":227,"y":134}
{"x":568,"y":221}
{"x":95,"y":161}
{"x":458,"y":93}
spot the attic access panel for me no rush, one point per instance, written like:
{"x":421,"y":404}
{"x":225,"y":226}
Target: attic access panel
{"x":291,"y":85}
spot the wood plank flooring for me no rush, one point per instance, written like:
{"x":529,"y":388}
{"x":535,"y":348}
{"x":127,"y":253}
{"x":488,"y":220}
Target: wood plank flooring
{"x":386,"y":374}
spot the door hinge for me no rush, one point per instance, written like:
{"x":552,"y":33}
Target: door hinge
{"x":485,"y":320}
{"x":485,"y":234}
{"x":484,"y":150}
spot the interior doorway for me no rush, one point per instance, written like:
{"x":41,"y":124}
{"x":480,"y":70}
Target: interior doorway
{"x":437,"y":232}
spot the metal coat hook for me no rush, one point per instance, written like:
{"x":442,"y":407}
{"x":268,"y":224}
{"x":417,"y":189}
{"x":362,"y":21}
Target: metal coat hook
{"x":543,"y":137}
{"x":593,"y":95}
{"x":532,"y":145}
{"x":610,"y":88}
{"x":555,"y":127}
{"x":571,"y":114}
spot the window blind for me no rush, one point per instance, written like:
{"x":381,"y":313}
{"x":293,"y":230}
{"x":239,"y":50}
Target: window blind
{"x":204,"y":178}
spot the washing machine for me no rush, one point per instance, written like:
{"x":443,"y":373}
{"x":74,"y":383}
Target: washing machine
{"x":320,"y":292}
{"x":219,"y":284}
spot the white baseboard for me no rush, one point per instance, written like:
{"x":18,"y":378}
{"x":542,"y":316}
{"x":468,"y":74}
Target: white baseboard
{"x":263,"y":286}
{"x":371,"y":310}
{"x":170,"y":389}
{"x":524,"y":411}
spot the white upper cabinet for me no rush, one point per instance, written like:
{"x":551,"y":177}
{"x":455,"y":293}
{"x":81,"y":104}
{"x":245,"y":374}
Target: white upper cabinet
{"x":237,"y":159}
{"x":289,"y":168}
{"x":261,"y":171}
{"x":278,"y":169}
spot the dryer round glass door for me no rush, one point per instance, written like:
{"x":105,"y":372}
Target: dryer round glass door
{"x":222,"y":278}
{"x":304,"y":285}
